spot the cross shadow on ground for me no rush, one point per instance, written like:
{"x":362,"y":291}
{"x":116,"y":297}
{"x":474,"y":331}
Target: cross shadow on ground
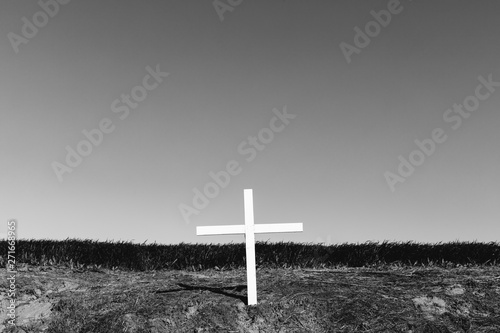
{"x":226,"y":291}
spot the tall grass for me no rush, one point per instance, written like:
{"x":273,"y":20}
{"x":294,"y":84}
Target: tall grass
{"x":126,"y":255}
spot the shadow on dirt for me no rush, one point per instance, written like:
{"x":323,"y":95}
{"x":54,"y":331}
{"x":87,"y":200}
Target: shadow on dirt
{"x":226,"y":291}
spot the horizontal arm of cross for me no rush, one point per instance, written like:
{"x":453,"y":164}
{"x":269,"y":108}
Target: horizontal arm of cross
{"x":220,"y":230}
{"x":240,"y":229}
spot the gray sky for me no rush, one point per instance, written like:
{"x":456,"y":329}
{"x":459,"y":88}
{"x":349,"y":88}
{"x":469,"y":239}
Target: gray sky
{"x":350,"y":104}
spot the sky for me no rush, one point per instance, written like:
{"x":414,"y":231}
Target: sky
{"x":141,"y":120}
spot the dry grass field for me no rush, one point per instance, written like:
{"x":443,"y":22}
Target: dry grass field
{"x":77,"y":298}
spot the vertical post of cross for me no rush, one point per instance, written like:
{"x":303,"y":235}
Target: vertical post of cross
{"x":250,"y":247}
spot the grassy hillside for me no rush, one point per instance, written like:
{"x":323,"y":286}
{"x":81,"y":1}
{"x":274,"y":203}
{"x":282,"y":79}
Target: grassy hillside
{"x":142,"y":257}
{"x":81,"y":286}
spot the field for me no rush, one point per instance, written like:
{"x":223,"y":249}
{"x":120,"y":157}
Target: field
{"x":86,"y":286}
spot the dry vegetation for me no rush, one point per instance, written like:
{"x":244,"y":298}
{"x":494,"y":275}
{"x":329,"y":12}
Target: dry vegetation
{"x":388,"y":287}
{"x":140,"y":257}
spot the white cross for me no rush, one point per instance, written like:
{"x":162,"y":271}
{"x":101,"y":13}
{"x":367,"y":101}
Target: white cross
{"x":249,"y":229}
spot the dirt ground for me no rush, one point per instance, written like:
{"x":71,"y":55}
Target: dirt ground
{"x":381,"y":299}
